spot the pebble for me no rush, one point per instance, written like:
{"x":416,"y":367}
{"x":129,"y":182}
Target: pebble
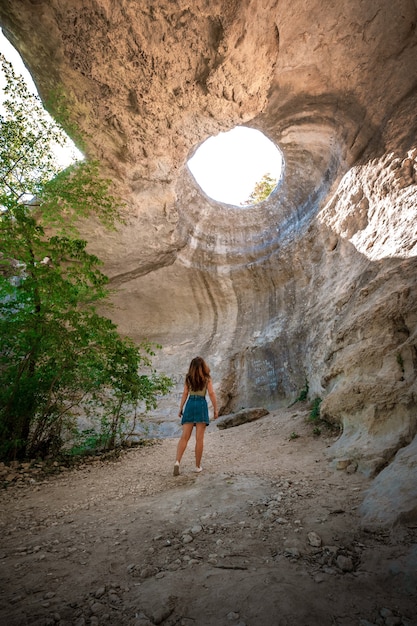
{"x":295,"y":552}
{"x":147,"y":572}
{"x":342,"y":464}
{"x":114,"y":598}
{"x":142,"y":620}
{"x":162,"y":613}
{"x":102,"y":590}
{"x":187,"y":538}
{"x":49,"y":595}
{"x":351,"y":469}
{"x":196,"y":529}
{"x":232,"y":616}
{"x":97,"y":608}
{"x":344,"y":563}
{"x":314,"y":539}
{"x":393,"y":620}
{"x":319,"y":578}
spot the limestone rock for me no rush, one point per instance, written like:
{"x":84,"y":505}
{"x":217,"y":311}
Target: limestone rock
{"x":392,"y":496}
{"x":344,"y":563}
{"x":241,"y":417}
{"x":314,"y":539}
{"x":319,"y":281}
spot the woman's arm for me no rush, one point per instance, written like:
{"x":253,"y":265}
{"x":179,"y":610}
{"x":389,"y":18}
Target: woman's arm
{"x":183,"y":399}
{"x":212,"y":398}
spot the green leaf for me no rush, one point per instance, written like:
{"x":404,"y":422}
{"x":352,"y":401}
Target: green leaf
{"x":58,"y":357}
{"x":262,"y":190}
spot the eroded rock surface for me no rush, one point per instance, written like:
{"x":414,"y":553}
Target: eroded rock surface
{"x":316,"y":283}
{"x":393,"y":494}
{"x":241,"y":417}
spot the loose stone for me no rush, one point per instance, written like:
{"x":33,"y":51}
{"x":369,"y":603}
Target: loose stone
{"x":232,"y":616}
{"x":314,"y":539}
{"x":344,"y":563}
{"x":102,"y":590}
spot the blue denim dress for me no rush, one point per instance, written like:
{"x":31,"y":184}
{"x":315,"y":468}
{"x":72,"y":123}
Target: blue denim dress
{"x":196,"y":410}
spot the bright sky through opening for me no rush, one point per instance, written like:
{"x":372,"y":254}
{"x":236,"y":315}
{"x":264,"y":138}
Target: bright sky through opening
{"x":228,"y":165}
{"x":64,"y":155}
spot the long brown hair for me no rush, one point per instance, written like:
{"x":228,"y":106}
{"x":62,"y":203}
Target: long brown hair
{"x":198,"y":374}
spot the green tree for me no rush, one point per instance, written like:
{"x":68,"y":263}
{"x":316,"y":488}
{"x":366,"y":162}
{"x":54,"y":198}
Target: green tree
{"x":262,"y":190}
{"x":59,"y":358}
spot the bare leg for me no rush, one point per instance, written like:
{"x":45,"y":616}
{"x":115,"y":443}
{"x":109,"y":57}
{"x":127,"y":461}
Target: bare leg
{"x":187,"y":429}
{"x":199,"y":442}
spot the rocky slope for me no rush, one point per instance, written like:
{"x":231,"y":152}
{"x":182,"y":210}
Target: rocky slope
{"x":267,"y":534}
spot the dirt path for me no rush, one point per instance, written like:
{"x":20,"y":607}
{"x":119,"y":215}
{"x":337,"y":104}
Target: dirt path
{"x":268,"y":534}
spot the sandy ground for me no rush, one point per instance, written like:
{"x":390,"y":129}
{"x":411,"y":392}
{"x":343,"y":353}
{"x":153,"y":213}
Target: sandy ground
{"x":268,"y":534}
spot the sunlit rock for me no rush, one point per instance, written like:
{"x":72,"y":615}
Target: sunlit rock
{"x":318,"y":283}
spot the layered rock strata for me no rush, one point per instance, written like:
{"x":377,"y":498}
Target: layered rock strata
{"x":318,"y":283}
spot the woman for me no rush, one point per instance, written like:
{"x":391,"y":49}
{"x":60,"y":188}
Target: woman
{"x":197,"y":384}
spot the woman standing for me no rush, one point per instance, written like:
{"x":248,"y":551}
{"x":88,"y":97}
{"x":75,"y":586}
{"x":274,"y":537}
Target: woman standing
{"x":197,"y":384}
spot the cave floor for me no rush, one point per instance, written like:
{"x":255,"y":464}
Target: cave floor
{"x":268,"y":534}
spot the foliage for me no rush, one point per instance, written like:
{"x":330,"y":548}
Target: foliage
{"x":315,"y":410}
{"x":262,"y":190}
{"x":59,"y":103}
{"x":294,"y":435}
{"x":58,"y":357}
{"x":29,"y":171}
{"x":400,"y":362}
{"x":317,"y":421}
{"x":302,"y":396}
{"x":87,"y":441}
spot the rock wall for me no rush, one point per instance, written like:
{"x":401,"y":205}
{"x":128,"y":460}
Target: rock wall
{"x":316,"y":283}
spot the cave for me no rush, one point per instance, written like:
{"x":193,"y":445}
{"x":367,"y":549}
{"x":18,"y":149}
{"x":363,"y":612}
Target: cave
{"x":318,"y":282}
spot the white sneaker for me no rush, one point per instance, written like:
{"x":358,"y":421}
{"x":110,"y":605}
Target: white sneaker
{"x":198,"y":469}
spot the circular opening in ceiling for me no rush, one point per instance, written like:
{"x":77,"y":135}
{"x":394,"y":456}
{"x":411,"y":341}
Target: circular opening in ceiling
{"x":240,"y":167}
